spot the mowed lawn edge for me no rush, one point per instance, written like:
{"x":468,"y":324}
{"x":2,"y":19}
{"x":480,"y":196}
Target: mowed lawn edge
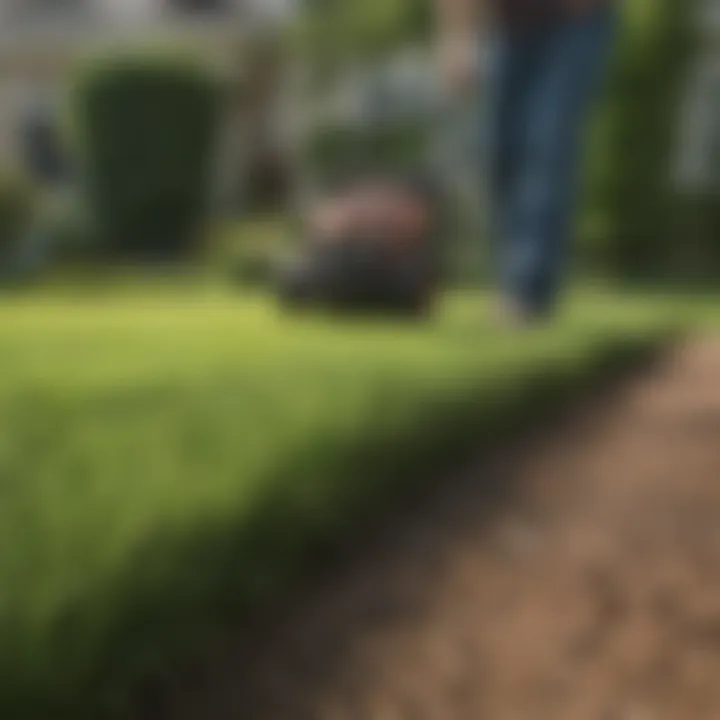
{"x":84,"y":620}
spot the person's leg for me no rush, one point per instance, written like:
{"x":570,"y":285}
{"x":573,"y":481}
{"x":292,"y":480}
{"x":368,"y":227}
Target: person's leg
{"x":567,"y":67}
{"x":507,"y":83}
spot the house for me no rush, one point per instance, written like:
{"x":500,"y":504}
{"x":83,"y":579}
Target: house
{"x":41,"y":40}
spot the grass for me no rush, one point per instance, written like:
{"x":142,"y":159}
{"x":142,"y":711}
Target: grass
{"x":170,"y":458}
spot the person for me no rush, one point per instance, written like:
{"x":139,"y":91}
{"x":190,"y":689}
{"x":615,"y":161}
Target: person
{"x":545,"y":62}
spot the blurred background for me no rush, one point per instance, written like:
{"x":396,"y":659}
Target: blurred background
{"x":94,"y":141}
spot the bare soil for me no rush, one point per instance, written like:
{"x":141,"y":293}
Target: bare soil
{"x":590,"y":592}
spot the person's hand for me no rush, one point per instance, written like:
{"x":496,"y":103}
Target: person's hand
{"x":459,"y":64}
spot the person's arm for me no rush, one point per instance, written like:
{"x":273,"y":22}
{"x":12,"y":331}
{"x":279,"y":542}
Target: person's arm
{"x":458,"y":19}
{"x":459,"y":24}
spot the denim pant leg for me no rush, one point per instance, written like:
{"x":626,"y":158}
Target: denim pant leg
{"x":502,"y":129}
{"x":561,"y":70}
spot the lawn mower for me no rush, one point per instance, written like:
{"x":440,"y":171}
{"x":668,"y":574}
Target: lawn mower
{"x":384,"y":165}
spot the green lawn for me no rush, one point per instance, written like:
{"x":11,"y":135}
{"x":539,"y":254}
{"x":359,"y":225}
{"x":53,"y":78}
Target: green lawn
{"x":167,"y":457}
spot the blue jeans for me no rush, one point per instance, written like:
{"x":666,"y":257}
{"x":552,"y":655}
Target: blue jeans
{"x":541,"y":85}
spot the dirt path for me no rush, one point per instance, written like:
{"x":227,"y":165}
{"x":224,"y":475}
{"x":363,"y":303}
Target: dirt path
{"x":593,"y":594}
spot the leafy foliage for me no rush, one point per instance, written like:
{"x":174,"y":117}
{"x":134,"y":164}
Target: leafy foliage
{"x":633,"y":211}
{"x":18,"y":199}
{"x":146,"y":127}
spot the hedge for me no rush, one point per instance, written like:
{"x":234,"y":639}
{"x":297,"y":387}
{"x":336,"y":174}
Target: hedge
{"x":633,"y":216}
{"x":145,"y":126}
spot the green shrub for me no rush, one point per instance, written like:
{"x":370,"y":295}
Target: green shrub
{"x":17,"y":206}
{"x":248,"y":251}
{"x":633,"y":210}
{"x":252,"y":268}
{"x":345,"y":30}
{"x":334,"y":148}
{"x":145,"y":127}
{"x":67,"y":228}
{"x":17,"y":203}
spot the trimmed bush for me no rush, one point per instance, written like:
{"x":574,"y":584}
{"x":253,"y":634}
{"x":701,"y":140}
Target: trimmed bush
{"x":146,"y":126}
